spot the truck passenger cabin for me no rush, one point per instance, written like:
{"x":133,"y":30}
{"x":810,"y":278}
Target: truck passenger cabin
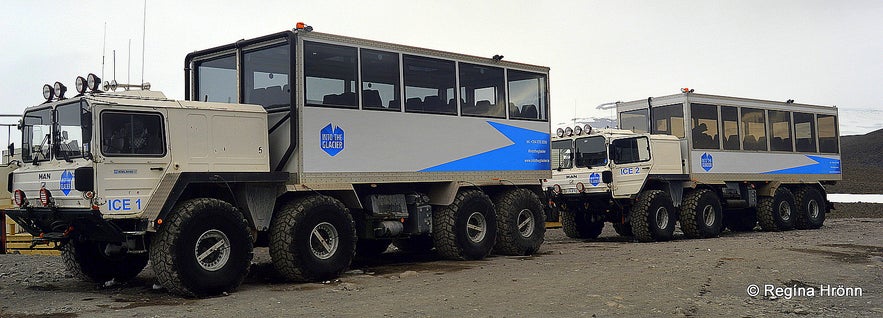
{"x":737,"y":133}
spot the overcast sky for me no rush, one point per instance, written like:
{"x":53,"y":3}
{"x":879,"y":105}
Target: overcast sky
{"x":815,"y":52}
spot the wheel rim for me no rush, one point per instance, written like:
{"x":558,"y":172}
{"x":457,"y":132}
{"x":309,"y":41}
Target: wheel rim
{"x":708,"y":215}
{"x":476,"y":227}
{"x":324,"y":240}
{"x":212,"y":250}
{"x":661,"y":217}
{"x":784,"y":211}
{"x":813,"y":208}
{"x":525,"y":222}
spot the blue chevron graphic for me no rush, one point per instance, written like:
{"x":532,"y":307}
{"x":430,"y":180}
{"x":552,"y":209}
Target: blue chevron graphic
{"x":822,"y":166}
{"x":529,"y":151}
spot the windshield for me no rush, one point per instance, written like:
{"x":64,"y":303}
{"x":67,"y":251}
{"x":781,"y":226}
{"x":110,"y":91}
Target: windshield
{"x":591,"y":151}
{"x":36,"y":134}
{"x":562,"y":153}
{"x":70,"y":133}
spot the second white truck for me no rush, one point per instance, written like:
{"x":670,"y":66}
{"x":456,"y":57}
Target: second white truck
{"x":705,"y":161}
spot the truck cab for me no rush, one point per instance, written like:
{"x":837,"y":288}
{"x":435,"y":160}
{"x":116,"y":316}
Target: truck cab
{"x":596,"y":166}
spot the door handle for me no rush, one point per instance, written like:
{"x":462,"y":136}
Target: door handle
{"x":157,"y":169}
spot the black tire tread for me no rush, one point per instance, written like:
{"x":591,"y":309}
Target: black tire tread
{"x":801,"y":215}
{"x":90,"y":268}
{"x":162,"y":255}
{"x":640,"y":213}
{"x":444,"y":221}
{"x":574,"y":228}
{"x":689,"y":218}
{"x":766,"y":211}
{"x":286,"y":262}
{"x":509,"y":240}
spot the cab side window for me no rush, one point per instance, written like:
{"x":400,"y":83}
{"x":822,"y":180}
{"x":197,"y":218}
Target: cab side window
{"x":630,"y":150}
{"x":132,"y":134}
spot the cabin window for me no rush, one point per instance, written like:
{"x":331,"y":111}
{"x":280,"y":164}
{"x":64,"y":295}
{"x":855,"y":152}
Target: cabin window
{"x":634,"y":120}
{"x":429,"y":84}
{"x":668,"y":120}
{"x":527,"y":95}
{"x":330,"y":71}
{"x":805,"y":132}
{"x":704,"y":126}
{"x":730,"y":123}
{"x":780,"y":131}
{"x":380,"y":80}
{"x":828,"y":142}
{"x":481,"y":91}
{"x":754,"y":127}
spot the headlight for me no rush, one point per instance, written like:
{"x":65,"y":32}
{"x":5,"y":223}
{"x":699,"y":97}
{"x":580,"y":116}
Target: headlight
{"x":48,"y":92}
{"x":59,"y":90}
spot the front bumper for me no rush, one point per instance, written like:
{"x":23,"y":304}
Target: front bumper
{"x":60,"y":224}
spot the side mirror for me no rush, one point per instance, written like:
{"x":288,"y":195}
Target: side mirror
{"x":11,"y":149}
{"x":607,"y":176}
{"x":86,"y":122}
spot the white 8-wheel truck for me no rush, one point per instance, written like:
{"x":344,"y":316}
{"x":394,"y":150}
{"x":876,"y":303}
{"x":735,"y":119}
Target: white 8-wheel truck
{"x":708,"y":162}
{"x":318,"y":146}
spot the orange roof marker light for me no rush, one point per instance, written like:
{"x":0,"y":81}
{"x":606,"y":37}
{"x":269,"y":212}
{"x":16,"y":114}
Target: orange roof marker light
{"x":303,"y":26}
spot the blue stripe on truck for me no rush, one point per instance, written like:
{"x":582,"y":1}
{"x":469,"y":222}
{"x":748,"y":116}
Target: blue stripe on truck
{"x":822,"y":166}
{"x":529,"y":151}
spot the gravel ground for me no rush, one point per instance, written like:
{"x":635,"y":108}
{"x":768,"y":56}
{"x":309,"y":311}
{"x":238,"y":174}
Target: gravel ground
{"x":610,"y":276}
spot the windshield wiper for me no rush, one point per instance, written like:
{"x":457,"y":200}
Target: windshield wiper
{"x":36,"y":156}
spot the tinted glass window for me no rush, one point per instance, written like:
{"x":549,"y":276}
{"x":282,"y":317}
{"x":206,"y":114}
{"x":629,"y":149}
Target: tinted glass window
{"x":669,"y":120}
{"x":634,"y":120}
{"x":36,"y":133}
{"x":70,"y":133}
{"x":330,"y":75}
{"x":562,"y":154}
{"x":527,"y":95}
{"x":481,"y":91}
{"x":780,"y":131}
{"x":805,"y":132}
{"x":216,"y":80}
{"x":630,"y":150}
{"x":754,"y":126}
{"x":380,"y":80}
{"x":132,"y":134}
{"x":704,"y":126}
{"x":730,"y":121}
{"x":429,"y":85}
{"x":265,"y":76}
{"x":828,"y":134}
{"x":590,"y":151}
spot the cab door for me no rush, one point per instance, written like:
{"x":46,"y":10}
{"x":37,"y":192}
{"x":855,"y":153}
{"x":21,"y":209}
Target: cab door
{"x":132,"y":157}
{"x":630,"y":165}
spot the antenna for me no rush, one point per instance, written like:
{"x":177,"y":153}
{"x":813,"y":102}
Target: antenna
{"x":129,"y":65}
{"x":114,"y":65}
{"x":143,"y":36}
{"x":103,"y":49}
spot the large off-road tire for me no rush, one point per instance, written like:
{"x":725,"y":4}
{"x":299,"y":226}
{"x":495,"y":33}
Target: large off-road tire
{"x":742,"y":220}
{"x":623,"y":229}
{"x":87,"y":261}
{"x":202,"y":248}
{"x":521,"y":225}
{"x":414,"y":244}
{"x":466,"y":229}
{"x":312,"y":238}
{"x":701,"y":214}
{"x":776,"y":213}
{"x":579,"y":225}
{"x":371,"y":248}
{"x":653,"y":216}
{"x":811,"y":208}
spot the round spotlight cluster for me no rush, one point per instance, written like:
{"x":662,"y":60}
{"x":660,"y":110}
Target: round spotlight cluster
{"x":82,"y":85}
{"x":576,"y":130}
